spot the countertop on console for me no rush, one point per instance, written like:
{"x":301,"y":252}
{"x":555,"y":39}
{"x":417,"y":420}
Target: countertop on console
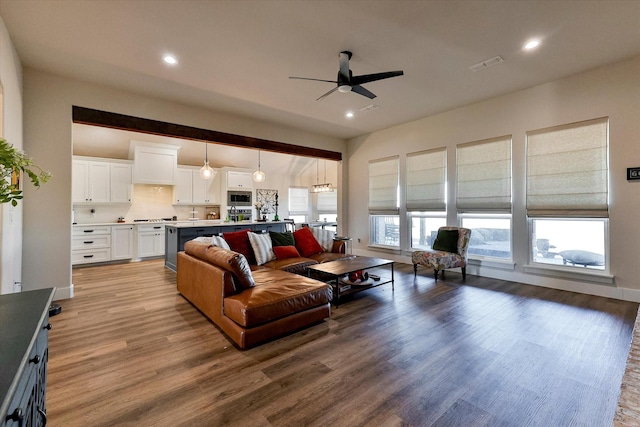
{"x":204,"y":223}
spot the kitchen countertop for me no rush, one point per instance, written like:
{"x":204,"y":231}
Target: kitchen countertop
{"x":180,"y":223}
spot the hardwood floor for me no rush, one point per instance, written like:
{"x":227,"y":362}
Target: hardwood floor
{"x":129,"y":350}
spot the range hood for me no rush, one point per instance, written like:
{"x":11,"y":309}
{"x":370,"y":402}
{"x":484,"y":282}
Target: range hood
{"x":154,"y":163}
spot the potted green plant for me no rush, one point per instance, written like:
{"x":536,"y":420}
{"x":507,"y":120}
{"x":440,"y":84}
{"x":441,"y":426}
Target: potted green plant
{"x":13,"y":163}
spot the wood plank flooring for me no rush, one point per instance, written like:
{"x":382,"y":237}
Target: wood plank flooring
{"x":128,"y":350}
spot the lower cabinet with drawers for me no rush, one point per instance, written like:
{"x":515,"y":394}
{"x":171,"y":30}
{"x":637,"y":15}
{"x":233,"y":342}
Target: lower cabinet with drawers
{"x":91,"y":244}
{"x":24,"y":344}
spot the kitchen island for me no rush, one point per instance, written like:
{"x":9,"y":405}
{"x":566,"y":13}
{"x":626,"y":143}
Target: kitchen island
{"x":176,"y":235}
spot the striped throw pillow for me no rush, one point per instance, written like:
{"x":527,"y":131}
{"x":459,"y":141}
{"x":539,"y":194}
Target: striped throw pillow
{"x":262,"y":247}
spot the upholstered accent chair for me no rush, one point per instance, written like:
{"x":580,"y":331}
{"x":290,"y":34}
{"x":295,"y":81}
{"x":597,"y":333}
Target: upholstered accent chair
{"x":449,"y":250}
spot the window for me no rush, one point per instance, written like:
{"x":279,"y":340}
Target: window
{"x":298,"y":203}
{"x":426,"y":189}
{"x":483,"y":179}
{"x":424,"y":228}
{"x":490,"y":234}
{"x":327,"y":202}
{"x":383,"y":202}
{"x":567,"y":194}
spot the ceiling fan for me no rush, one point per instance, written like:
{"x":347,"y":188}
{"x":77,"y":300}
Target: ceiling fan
{"x":347,"y":82}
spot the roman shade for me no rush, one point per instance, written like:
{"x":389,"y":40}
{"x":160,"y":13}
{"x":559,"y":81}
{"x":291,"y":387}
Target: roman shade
{"x":567,"y":170}
{"x":483,"y":176}
{"x":327,"y":202}
{"x":383,"y":186}
{"x":426,"y":178}
{"x":298,"y":200}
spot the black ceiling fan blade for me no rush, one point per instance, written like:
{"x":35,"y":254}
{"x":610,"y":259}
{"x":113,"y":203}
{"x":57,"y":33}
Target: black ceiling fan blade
{"x":366,"y":78}
{"x":362,"y":91}
{"x":315,"y":80}
{"x":327,"y":94}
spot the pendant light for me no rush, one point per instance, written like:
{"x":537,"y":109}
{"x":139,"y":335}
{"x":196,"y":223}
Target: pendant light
{"x":258,"y":175}
{"x":206,"y":171}
{"x":322,"y":188}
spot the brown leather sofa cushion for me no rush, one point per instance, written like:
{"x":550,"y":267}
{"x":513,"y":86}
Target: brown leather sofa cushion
{"x":231,"y":261}
{"x":297,"y":265}
{"x":278,"y":294}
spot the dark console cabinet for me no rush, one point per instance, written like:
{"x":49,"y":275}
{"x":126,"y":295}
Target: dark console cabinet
{"x":24,"y":337}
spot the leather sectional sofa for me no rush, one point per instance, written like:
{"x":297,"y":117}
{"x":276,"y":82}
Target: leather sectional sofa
{"x":252,"y":304}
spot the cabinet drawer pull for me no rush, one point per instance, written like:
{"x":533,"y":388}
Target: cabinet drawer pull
{"x":17,"y":415}
{"x":88,"y":242}
{"x":88,"y":231}
{"x":88,"y":256}
{"x":158,"y":227}
{"x":35,"y":360}
{"x":43,"y":414}
{"x":48,"y":327}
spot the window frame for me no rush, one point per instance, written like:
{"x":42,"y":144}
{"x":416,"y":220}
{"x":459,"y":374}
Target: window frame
{"x":491,"y":215}
{"x":422,"y":214}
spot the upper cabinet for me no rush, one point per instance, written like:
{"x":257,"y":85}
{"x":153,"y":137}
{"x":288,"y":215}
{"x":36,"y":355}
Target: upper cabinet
{"x":155,"y":163}
{"x":91,"y":182}
{"x":191,"y":189}
{"x":95,"y":181}
{"x":239,"y":180}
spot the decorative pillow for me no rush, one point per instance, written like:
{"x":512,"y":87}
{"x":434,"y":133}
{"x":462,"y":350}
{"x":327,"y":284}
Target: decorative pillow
{"x":262,"y":247}
{"x":283,"y":252}
{"x":324,"y":237}
{"x":233,"y":262}
{"x":282,"y":239}
{"x":446,"y":240}
{"x":239,"y":241}
{"x":306,"y":244}
{"x":219,"y":242}
{"x":202,"y":239}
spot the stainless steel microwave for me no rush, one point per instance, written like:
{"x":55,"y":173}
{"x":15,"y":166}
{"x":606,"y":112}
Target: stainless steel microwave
{"x":239,"y":198}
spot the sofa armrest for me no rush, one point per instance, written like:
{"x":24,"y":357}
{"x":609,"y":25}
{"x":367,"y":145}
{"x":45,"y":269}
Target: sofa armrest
{"x":339,"y":247}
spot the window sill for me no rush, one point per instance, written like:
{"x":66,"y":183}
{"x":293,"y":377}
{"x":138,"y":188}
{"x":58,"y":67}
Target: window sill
{"x":592,"y":276}
{"x":385,"y":248}
{"x":493,"y":263}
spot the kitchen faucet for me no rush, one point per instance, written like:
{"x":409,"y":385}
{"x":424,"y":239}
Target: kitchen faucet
{"x":233,"y":213}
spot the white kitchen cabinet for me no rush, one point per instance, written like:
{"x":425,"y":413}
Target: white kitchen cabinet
{"x":90,"y":244}
{"x":191,"y":189}
{"x":150,"y":240}
{"x":239,"y":180}
{"x":121,"y":180}
{"x":91,"y":182}
{"x":184,"y":187}
{"x":122,"y":242}
{"x":155,"y":163}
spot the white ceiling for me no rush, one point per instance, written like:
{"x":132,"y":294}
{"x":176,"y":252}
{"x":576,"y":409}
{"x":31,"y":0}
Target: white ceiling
{"x":237,"y":56}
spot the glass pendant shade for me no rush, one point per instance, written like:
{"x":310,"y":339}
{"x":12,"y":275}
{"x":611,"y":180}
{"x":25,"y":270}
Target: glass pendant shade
{"x":206,"y":171}
{"x":259,"y":175}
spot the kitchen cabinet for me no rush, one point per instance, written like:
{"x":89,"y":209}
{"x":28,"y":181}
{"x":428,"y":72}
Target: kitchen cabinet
{"x":90,"y":182}
{"x":122,"y":242}
{"x":155,"y":163}
{"x":90,"y":244}
{"x":150,"y":240}
{"x":191,"y":189}
{"x":121,"y":182}
{"x":239,"y":180}
{"x":24,"y":342}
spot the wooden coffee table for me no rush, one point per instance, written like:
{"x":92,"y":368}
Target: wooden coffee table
{"x":338,"y":269}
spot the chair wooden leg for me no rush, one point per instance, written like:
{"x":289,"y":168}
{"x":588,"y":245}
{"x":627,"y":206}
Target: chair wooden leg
{"x":415,"y":269}
{"x":464,"y":273}
{"x":435,"y":274}
{"x":442,"y":274}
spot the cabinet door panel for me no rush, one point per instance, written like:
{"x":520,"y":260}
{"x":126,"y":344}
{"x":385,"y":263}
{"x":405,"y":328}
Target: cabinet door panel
{"x":184,"y":187}
{"x":99,"y":182}
{"x":121,"y":175}
{"x":80,"y":181}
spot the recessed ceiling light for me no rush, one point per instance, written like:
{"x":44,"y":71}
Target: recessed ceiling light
{"x":349,"y":114}
{"x":170,"y":59}
{"x":532,"y":44}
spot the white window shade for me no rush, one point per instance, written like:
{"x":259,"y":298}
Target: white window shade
{"x":426,"y":178}
{"x":327,"y":202}
{"x":298,"y":200}
{"x":483,"y":176}
{"x":383,"y":186}
{"x":567,"y":170}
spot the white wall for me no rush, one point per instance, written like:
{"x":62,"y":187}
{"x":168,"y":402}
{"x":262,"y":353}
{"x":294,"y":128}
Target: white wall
{"x":612,"y":91}
{"x":48,"y":100}
{"x":10,"y":217}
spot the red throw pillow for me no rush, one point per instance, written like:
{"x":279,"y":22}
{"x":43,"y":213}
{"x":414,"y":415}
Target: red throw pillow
{"x":283,"y":252}
{"x":306,"y":243}
{"x":239,"y":242}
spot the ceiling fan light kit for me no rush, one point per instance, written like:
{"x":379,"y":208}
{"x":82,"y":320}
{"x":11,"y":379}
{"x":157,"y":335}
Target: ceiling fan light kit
{"x":347,"y":82}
